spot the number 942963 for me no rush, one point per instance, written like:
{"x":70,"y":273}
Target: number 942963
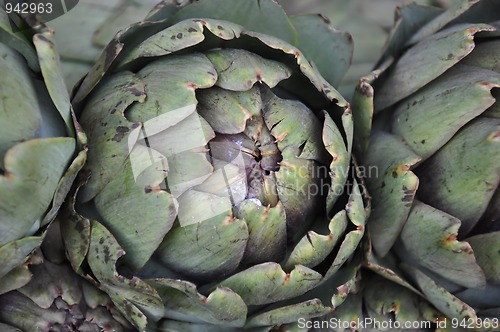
{"x":28,"y":8}
{"x":476,"y":323}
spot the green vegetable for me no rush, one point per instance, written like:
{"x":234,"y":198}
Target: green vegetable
{"x":57,"y":298}
{"x":38,"y":147}
{"x":220,"y":190}
{"x":435,"y":224}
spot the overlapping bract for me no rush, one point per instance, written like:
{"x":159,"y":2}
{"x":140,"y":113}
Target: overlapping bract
{"x":218,"y":156}
{"x":436,"y":141}
{"x":38,"y":144}
{"x":57,"y":298}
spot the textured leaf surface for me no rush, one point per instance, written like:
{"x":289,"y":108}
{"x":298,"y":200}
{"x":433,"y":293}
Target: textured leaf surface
{"x":436,"y":54}
{"x":132,"y":296}
{"x":487,"y":252}
{"x":289,"y":314}
{"x":222,"y":307}
{"x":15,"y":253}
{"x":267,"y":283}
{"x":209,"y":248}
{"x":452,"y":100}
{"x":392,"y":187}
{"x":430,"y":236}
{"x":444,"y":301}
{"x":30,"y":184}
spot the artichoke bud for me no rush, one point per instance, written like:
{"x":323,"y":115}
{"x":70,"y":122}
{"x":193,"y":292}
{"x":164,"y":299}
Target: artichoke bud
{"x":436,"y":198}
{"x":208,"y":138}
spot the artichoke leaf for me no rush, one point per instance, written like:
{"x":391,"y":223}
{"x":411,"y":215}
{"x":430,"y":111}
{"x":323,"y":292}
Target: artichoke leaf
{"x":451,"y":101}
{"x":485,"y":298}
{"x":21,"y":112}
{"x":408,"y":20}
{"x":309,"y":70}
{"x":181,"y":75}
{"x":103,"y":116}
{"x":18,"y":310}
{"x":49,"y":282}
{"x":453,"y":11}
{"x":288,"y":314}
{"x":330,"y":50}
{"x":351,"y":311}
{"x":436,"y":54}
{"x":386,"y":267}
{"x":18,"y":41}
{"x":362,"y":112}
{"x":355,"y":211}
{"x":189,"y":135}
{"x":295,"y":127}
{"x":53,"y":77}
{"x":133,"y":296}
{"x":14,"y":253}
{"x":384,"y":300}
{"x":201,"y":247}
{"x":103,"y":62}
{"x":313,"y":248}
{"x":75,"y":232}
{"x":239,"y":70}
{"x":228,"y":111}
{"x":31,"y":184}
{"x":16,"y":278}
{"x":117,"y":203}
{"x":464,"y":189}
{"x":267,"y":231}
{"x":485,"y":55}
{"x":444,"y":301}
{"x":177,"y":37}
{"x":395,"y":185}
{"x":222,"y":307}
{"x":66,"y":182}
{"x":267,"y":283}
{"x":340,"y":164}
{"x":430,"y":237}
{"x":487,"y":252}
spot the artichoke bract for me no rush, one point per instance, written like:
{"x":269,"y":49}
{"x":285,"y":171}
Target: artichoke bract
{"x":57,"y":298}
{"x":436,"y":141}
{"x":38,"y":147}
{"x":219,"y":191}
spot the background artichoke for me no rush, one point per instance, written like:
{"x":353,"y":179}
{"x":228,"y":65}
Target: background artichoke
{"x":436,"y":142}
{"x":38,"y":147}
{"x":218,"y":156}
{"x":56,"y":298}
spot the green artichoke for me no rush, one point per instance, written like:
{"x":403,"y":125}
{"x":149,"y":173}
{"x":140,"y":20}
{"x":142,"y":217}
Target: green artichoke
{"x":220,"y":191}
{"x":56,"y":298}
{"x":38,"y":145}
{"x":435,"y":223}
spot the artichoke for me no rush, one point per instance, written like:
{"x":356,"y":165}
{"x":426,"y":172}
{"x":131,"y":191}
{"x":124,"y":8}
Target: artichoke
{"x":435,"y":223}
{"x":56,"y":298}
{"x":39,"y":155}
{"x":220,"y":191}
